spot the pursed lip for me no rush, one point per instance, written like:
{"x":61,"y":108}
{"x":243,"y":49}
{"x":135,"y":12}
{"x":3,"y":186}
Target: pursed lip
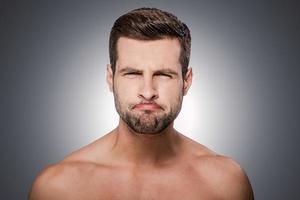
{"x":147,"y":106}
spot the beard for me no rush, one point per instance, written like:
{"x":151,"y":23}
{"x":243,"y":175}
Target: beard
{"x":146,"y":121}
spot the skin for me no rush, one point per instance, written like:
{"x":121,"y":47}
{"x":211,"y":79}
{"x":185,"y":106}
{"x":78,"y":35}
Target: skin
{"x":127,"y":164}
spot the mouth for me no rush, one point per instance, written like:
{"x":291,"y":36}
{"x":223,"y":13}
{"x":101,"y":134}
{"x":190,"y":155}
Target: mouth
{"x":147,"y":107}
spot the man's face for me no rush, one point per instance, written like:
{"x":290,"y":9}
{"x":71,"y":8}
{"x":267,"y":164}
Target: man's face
{"x":148,"y":85}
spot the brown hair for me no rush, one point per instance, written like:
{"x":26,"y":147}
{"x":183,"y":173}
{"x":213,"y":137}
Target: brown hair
{"x":150,"y":24}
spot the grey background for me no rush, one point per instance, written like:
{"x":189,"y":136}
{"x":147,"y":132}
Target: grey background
{"x":244,"y":102}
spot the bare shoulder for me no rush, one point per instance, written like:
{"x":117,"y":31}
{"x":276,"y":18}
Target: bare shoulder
{"x":60,"y":180}
{"x":94,"y":152}
{"x":65,"y":180}
{"x":226,"y":177}
{"x":51,"y":182}
{"x":222,"y":175}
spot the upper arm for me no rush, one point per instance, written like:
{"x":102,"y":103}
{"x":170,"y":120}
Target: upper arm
{"x":47,"y":186}
{"x":226,"y":179}
{"x":234,"y":183}
{"x":39,"y":190}
{"x":243,"y":185}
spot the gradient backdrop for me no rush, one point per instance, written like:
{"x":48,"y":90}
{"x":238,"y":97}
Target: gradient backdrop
{"x":244,"y":101}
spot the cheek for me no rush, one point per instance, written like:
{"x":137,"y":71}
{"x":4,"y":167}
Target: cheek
{"x":125,"y":91}
{"x":172,"y":88}
{"x":171,"y":93}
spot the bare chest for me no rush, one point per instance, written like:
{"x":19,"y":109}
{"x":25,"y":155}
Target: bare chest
{"x":176,"y":184}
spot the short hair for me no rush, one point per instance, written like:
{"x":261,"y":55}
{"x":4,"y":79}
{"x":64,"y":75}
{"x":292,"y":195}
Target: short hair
{"x":150,"y":24}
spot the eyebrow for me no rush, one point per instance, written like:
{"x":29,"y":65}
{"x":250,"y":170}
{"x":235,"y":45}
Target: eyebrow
{"x":167,"y":71}
{"x":129,"y":69}
{"x":163,"y":71}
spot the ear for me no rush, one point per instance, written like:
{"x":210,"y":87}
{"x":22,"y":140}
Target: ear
{"x":187,"y":81}
{"x":109,"y":77}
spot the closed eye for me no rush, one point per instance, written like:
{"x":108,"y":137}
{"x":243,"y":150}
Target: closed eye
{"x":130,"y":74}
{"x":163,"y":74}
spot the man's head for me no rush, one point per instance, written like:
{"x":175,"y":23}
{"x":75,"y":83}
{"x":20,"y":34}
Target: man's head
{"x":149,"y":52}
{"x":150,"y":24}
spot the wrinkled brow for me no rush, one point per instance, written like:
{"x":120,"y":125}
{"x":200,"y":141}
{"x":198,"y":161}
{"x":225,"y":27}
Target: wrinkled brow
{"x":129,"y":69}
{"x":163,"y":71}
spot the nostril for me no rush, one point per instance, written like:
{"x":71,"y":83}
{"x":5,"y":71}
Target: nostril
{"x":148,"y":97}
{"x":148,"y":94}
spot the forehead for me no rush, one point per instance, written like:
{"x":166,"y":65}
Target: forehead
{"x":162,"y":53}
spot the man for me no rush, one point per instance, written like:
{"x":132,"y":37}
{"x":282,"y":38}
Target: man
{"x":145,"y":157}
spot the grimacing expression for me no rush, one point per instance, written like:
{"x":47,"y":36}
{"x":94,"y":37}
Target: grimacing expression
{"x":147,"y":84}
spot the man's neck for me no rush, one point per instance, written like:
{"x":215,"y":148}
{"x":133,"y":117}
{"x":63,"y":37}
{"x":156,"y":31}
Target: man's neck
{"x":145,"y":149}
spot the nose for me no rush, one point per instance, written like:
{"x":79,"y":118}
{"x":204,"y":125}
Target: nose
{"x":148,"y":91}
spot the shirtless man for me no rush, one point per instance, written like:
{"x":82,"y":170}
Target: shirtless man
{"x":145,"y":157}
